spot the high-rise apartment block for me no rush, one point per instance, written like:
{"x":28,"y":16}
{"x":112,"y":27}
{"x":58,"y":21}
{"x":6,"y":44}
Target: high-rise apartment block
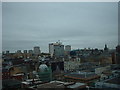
{"x":56,"y":49}
{"x":25,"y":51}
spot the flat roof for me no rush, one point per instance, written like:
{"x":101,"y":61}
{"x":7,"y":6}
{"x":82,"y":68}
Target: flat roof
{"x":81,"y":75}
{"x":76,"y":85}
{"x":114,"y":81}
{"x":60,"y":84}
{"x":51,"y":85}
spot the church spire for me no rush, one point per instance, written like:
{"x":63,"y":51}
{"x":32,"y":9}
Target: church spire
{"x":105,"y":48}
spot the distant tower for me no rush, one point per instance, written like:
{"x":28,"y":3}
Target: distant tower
{"x":7,"y":52}
{"x":118,"y":54}
{"x":30,"y":51}
{"x":105,"y":48}
{"x":19,"y":51}
{"x":36,"y":50}
{"x":25,"y":51}
{"x":67,"y":49}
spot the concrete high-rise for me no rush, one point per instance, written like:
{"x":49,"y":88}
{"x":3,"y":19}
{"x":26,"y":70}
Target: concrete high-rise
{"x":36,"y":50}
{"x":25,"y":51}
{"x":30,"y":51}
{"x":56,"y":49}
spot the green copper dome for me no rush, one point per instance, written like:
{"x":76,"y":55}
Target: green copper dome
{"x":45,"y":73}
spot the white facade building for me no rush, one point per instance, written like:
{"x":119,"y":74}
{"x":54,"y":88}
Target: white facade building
{"x":56,"y":49}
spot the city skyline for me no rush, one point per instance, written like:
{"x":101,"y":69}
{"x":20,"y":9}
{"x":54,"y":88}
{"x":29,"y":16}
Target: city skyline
{"x":72,"y":49}
{"x":80,"y":25}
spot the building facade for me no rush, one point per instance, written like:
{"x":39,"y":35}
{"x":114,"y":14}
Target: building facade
{"x":118,"y":54}
{"x":67,"y":49}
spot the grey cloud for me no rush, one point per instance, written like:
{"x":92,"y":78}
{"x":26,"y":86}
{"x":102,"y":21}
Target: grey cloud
{"x":79,"y":24}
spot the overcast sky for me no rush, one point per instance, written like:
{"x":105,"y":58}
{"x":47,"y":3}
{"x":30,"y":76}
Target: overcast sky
{"x":81,"y":25}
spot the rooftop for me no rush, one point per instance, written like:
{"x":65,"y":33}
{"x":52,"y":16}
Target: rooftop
{"x":10,"y":83}
{"x":82,"y":75}
{"x":76,"y":85}
{"x":60,"y":84}
{"x":51,"y":85}
{"x":114,"y":81}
